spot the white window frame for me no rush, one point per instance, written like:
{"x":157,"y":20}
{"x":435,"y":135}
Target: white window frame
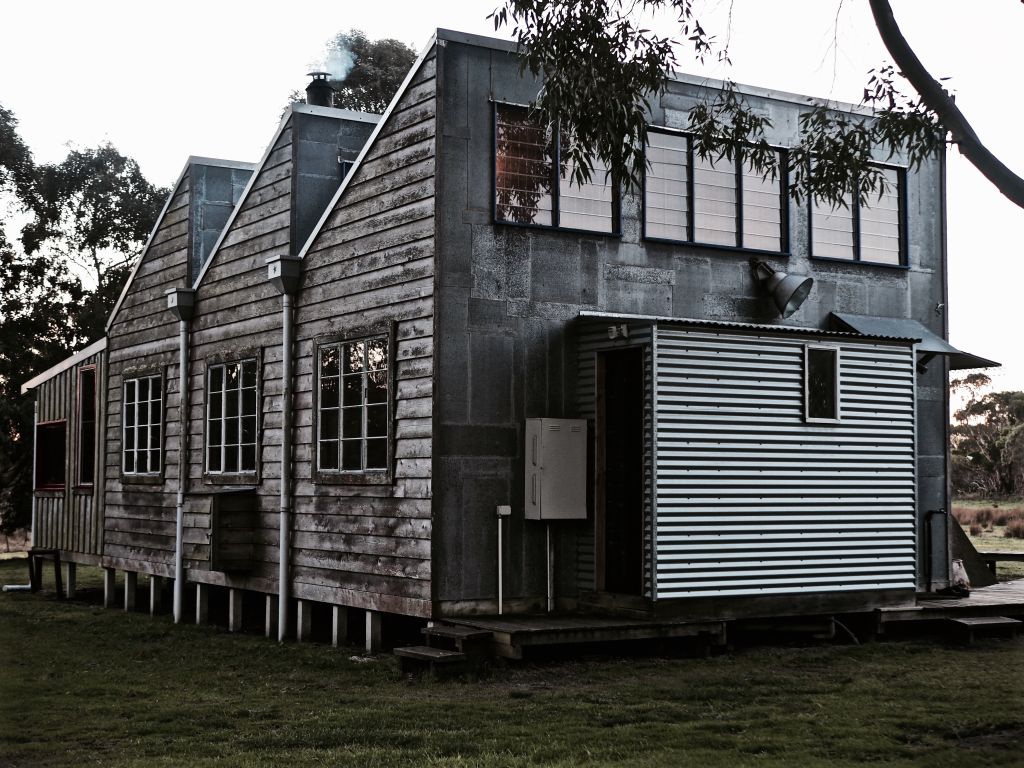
{"x":835,"y":349}
{"x":134,"y":471}
{"x":364,"y":405}
{"x":239,"y":445}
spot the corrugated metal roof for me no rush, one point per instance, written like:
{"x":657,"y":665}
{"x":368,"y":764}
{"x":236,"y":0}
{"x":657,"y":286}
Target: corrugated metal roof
{"x":588,"y":315}
{"x":899,"y":326}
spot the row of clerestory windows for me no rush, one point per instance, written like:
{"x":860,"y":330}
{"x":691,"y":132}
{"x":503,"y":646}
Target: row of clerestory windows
{"x":720,"y":202}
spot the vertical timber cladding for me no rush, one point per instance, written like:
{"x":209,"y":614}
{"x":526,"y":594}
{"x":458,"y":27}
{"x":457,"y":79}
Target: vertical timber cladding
{"x":372,"y":265}
{"x":751,"y":499}
{"x":69,"y":518}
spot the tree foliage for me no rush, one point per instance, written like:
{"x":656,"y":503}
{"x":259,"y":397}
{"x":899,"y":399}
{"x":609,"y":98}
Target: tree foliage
{"x":375,"y":70}
{"x":87,"y":219}
{"x":600,"y":67}
{"x":987,"y":439}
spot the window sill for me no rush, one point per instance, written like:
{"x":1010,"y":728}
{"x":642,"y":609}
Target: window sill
{"x":353,"y":478}
{"x":142,"y":479}
{"x":853,"y":262}
{"x":716,"y":247}
{"x":248,"y":479}
{"x":550,"y":228}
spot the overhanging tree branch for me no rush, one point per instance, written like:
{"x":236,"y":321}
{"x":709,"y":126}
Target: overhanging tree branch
{"x":938,"y":100}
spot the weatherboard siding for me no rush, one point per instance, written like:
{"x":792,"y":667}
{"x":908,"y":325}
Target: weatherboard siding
{"x":372,"y":263}
{"x":238,"y":316}
{"x":143,"y":340}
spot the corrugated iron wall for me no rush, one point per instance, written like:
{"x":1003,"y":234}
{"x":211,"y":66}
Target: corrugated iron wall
{"x":751,"y":499}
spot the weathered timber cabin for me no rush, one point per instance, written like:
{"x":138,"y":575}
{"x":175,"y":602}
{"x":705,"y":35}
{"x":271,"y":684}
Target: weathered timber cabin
{"x":453,"y":353}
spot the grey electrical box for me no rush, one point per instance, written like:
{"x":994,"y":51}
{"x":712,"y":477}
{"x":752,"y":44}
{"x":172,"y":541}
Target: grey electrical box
{"x":556,"y":469}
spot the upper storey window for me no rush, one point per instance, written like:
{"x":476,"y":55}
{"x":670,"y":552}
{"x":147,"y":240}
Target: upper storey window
{"x":531,"y":179}
{"x":712,"y":201}
{"x":871,"y":233}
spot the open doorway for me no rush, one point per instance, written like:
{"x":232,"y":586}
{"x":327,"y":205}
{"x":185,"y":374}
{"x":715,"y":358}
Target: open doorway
{"x":620,"y":471}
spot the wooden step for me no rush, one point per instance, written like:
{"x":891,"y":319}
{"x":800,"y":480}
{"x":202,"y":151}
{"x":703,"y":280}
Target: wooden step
{"x":454,"y":632}
{"x":416,"y":658}
{"x":426,"y":653}
{"x":463,"y":639}
{"x":986,"y":624}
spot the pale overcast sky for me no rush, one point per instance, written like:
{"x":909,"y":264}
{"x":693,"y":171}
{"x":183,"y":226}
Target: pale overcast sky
{"x":163,"y":81}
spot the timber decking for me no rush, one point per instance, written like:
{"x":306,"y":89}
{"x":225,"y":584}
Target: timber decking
{"x":513,"y":633}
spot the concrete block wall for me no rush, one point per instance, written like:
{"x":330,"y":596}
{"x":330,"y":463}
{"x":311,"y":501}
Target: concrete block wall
{"x":507,"y":296}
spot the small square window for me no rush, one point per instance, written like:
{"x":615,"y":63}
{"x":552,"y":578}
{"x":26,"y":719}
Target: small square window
{"x":821,"y":384}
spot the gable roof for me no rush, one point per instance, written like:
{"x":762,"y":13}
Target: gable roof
{"x":357,"y":163}
{"x":307,"y":109}
{"x":192,"y":160}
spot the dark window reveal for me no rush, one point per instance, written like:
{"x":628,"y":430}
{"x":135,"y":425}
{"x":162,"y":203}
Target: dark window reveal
{"x":141,"y":428}
{"x":527,"y":189}
{"x":822,"y":384}
{"x":353,"y":406}
{"x":86,"y":425}
{"x":231,"y":418}
{"x":50,"y":444}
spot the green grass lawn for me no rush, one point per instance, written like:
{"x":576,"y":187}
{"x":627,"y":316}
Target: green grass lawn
{"x":80,"y":685}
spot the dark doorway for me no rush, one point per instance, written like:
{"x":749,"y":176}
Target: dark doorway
{"x":620,"y":471}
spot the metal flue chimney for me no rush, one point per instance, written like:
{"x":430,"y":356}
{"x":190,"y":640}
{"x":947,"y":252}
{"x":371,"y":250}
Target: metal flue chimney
{"x":319,"y":92}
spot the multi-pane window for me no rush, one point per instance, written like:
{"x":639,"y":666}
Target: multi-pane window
{"x":712,"y":201}
{"x":231,"y":418}
{"x":352,"y":406}
{"x":532,"y":181}
{"x":869,"y":232}
{"x":86,"y":425}
{"x":141,"y":426}
{"x":821,"y":384}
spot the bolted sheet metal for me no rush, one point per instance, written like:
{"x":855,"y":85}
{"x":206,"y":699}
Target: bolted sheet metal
{"x":751,"y":499}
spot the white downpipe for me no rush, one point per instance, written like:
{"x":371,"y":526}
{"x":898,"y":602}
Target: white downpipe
{"x":286,"y":460}
{"x":35,"y":453}
{"x":179,"y":517}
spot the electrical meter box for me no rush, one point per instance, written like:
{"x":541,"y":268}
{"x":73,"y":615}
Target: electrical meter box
{"x":556,"y":469}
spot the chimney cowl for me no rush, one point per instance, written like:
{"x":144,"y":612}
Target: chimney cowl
{"x":319,"y":92}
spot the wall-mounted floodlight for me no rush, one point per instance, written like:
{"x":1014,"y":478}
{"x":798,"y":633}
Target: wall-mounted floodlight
{"x":787,"y":291}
